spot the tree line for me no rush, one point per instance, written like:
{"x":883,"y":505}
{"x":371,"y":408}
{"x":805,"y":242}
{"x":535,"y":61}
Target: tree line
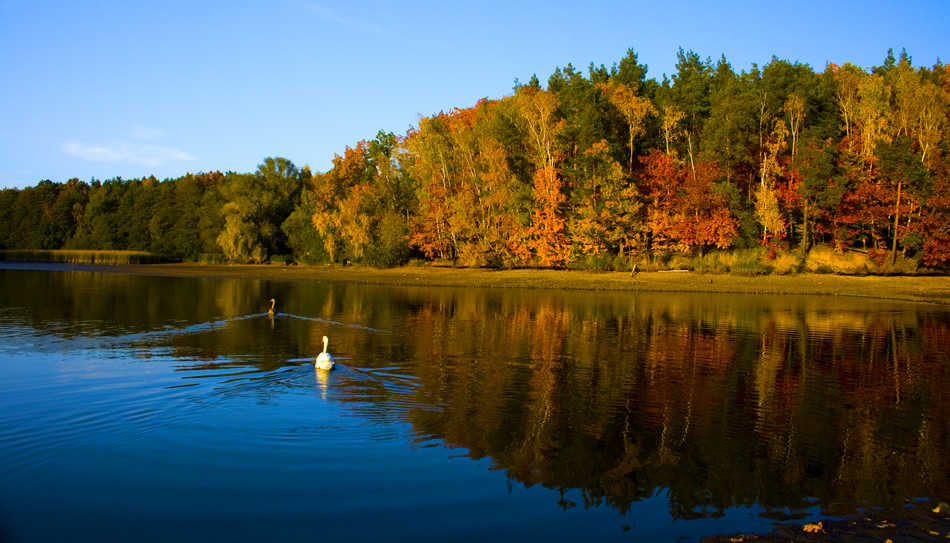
{"x":595,"y":169}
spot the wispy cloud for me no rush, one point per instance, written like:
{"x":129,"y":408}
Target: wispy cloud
{"x":146,"y":155}
{"x":324,"y":13}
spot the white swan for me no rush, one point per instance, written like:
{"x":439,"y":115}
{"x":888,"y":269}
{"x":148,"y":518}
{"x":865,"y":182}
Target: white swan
{"x":325,"y":360}
{"x":271,"y":310}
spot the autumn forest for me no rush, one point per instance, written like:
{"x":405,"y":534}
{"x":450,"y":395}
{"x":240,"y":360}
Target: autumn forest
{"x":601,"y":169}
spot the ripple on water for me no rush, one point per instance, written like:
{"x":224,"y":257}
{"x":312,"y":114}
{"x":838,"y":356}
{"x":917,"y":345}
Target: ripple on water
{"x":229,"y":413}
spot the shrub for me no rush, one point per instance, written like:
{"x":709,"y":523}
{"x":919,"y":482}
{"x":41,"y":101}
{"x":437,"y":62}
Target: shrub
{"x":750,"y":269}
{"x":211,"y":258}
{"x":282,"y":259}
{"x":593,"y":263}
{"x":392,"y":247}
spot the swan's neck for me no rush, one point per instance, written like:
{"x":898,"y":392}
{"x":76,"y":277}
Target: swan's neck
{"x":325,"y":343}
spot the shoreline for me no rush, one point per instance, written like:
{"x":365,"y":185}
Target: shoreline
{"x":930,"y":289}
{"x":918,"y":521}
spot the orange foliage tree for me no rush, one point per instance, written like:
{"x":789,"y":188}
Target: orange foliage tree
{"x":934,"y":224}
{"x":547,"y":236}
{"x":685,"y":210}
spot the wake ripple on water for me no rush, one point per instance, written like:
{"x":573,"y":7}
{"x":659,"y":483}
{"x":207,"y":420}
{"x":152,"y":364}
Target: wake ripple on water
{"x":236,"y":411}
{"x":337,"y":323}
{"x":133,"y":395}
{"x":84,"y":337}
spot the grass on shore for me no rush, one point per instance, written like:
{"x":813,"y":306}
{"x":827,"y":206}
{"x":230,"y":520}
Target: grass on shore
{"x":751,"y":262}
{"x":112,"y":258}
{"x":759,"y":261}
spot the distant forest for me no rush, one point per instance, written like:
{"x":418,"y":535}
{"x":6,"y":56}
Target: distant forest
{"x":592,"y":170}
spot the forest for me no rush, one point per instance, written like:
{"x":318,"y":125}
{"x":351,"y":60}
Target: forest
{"x":598,"y":171}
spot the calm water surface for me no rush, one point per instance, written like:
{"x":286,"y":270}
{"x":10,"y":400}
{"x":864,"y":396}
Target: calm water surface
{"x":158,"y":409}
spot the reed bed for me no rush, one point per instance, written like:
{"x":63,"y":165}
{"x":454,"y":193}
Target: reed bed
{"x":110,"y":258}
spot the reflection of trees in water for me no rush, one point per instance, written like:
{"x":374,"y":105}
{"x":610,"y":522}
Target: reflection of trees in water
{"x":720,"y":401}
{"x":622,"y":402}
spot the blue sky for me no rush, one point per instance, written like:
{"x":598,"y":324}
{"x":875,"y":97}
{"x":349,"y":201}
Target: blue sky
{"x":135,"y":88}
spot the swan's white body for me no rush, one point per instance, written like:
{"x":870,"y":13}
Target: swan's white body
{"x":271,"y":311}
{"x":325,"y":360}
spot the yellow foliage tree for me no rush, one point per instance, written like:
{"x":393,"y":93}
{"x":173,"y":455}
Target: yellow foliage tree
{"x":607,"y":214}
{"x":635,"y":110}
{"x":872,"y":114}
{"x":767,"y":209}
{"x":671,"y":118}
{"x":795,"y":109}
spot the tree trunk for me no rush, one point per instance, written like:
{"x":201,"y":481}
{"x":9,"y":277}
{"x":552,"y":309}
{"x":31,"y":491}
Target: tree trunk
{"x":897,"y":209}
{"x":689,"y":148}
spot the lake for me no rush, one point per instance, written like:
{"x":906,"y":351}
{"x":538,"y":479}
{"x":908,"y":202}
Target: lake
{"x":158,"y":409}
